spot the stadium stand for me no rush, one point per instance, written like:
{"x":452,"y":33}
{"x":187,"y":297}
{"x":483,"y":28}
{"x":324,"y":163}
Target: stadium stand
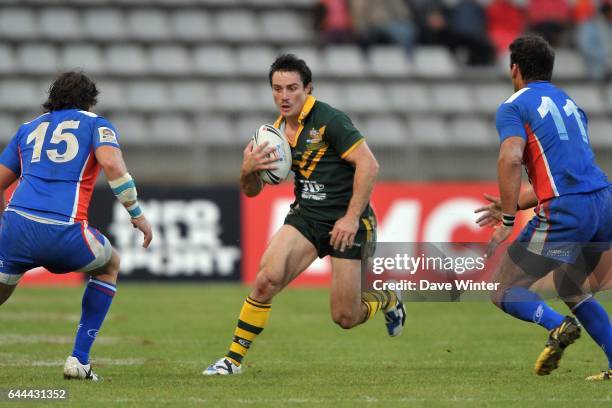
{"x":189,"y":78}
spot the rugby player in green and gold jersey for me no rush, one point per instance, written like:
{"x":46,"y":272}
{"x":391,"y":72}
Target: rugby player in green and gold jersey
{"x":335,"y":172}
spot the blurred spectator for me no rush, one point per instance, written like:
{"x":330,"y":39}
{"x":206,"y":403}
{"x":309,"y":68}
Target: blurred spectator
{"x":468,"y":29}
{"x":549,"y":18}
{"x":591,"y":37}
{"x":333,"y":22}
{"x":505,"y":22}
{"x":430,"y":16}
{"x":384,"y":22}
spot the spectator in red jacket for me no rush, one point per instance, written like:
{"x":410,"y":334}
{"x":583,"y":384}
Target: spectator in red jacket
{"x":549,"y":18}
{"x":333,"y":22}
{"x":505,"y":22}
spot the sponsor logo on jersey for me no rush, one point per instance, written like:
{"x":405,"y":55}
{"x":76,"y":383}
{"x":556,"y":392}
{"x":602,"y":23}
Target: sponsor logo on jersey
{"x":107,"y":135}
{"x":1,"y":263}
{"x":311,"y":190}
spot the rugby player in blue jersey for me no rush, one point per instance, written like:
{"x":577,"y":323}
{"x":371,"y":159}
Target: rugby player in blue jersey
{"x":542,"y":127}
{"x":56,"y":159}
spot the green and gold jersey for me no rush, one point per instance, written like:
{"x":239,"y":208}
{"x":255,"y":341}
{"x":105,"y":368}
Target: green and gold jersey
{"x":323,"y":179}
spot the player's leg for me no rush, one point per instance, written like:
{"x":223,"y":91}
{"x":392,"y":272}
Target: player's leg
{"x":5,"y":292}
{"x":14,"y":261}
{"x":101,"y":262}
{"x":591,"y":314}
{"x":288,"y":254}
{"x":350,"y":306}
{"x":519,"y":270}
{"x":346,"y":305}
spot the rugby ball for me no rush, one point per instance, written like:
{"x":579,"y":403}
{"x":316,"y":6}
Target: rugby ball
{"x":282,"y":152}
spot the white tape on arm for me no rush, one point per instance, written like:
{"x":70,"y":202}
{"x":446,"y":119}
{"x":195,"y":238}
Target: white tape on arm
{"x":124,"y":189}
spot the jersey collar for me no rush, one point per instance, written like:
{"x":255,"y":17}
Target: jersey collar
{"x":308,"y":105}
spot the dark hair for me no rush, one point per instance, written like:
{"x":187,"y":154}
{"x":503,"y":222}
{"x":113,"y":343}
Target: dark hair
{"x":534,"y":57}
{"x":291,"y":63}
{"x":71,"y":90}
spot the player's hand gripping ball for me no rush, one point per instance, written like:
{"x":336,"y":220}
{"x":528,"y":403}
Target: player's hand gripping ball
{"x":282,"y":153}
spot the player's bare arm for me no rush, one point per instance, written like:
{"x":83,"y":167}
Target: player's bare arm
{"x":255,"y":159}
{"x":366,"y":171}
{"x":7,"y":177}
{"x":111,"y":161}
{"x":509,"y":166}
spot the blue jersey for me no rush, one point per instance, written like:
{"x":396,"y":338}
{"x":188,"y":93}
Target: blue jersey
{"x":558,"y":156}
{"x":54,"y":157}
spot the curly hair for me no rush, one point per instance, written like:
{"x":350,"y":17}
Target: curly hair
{"x":291,"y":63}
{"x":534,"y":57}
{"x":71,"y":90}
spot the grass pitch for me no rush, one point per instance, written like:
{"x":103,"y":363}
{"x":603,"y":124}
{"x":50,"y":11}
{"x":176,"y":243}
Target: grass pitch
{"x":158,"y":339}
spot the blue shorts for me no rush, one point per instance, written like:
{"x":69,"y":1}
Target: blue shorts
{"x":26,"y":244}
{"x":565,"y":226}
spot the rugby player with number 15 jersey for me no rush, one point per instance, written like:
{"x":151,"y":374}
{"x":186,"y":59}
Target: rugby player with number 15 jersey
{"x":56,"y":159}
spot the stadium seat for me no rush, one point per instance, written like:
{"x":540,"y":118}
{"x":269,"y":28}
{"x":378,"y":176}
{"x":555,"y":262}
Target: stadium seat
{"x":37,"y":59}
{"x":284,"y":26}
{"x":386,"y":130}
{"x":488,"y":97}
{"x":234,"y":96}
{"x":84,"y":57}
{"x":127,"y":60}
{"x":132,"y":129}
{"x":217,"y":130}
{"x":267,"y":3}
{"x":343,"y":61}
{"x":112,"y":95}
{"x":192,"y":25}
{"x":452,"y":98}
{"x":264,"y":100}
{"x":389,"y":62}
{"x":429,"y":132}
{"x":599,"y":130}
{"x":434,"y":62}
{"x":215,"y":60}
{"x":7,"y":59}
{"x":312,"y":57}
{"x":237,"y":25}
{"x":181,"y":2}
{"x":255,"y":60}
{"x":147,"y":95}
{"x":473,"y":132}
{"x":329,"y":92}
{"x":218,"y":3}
{"x":90,"y":2}
{"x":18,"y":23}
{"x":409,"y":97}
{"x":364,"y":98}
{"x":20,"y":94}
{"x":148,"y":24}
{"x":171,"y":129}
{"x":247,"y":125}
{"x":568,"y":65}
{"x":170,"y":60}
{"x":588,"y":97}
{"x":8,"y":127}
{"x":60,"y":23}
{"x":190,"y":96}
{"x":104,"y":24}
